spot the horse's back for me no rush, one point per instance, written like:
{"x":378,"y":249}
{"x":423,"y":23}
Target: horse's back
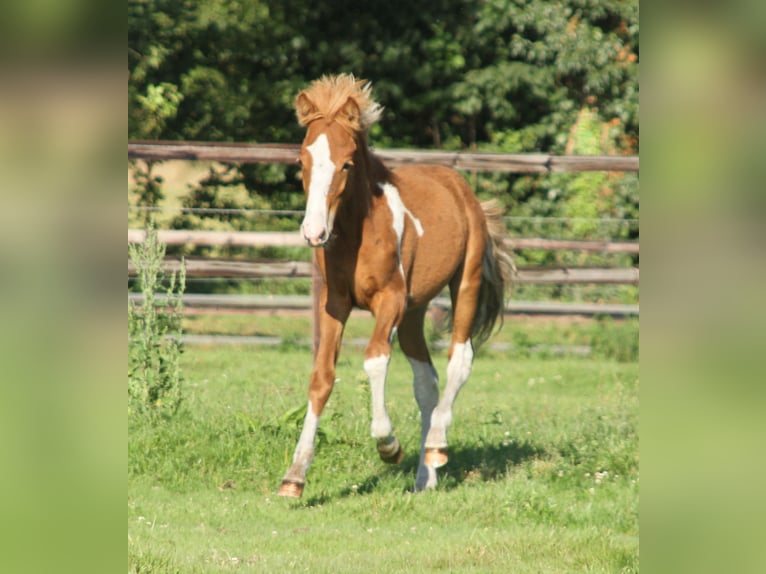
{"x":438,"y":193}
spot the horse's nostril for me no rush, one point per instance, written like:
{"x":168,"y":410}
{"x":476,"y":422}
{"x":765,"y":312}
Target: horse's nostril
{"x":317,"y":240}
{"x":313,"y":237}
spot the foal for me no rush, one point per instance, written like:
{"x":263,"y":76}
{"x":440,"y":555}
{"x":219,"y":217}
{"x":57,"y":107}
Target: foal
{"x":390,"y":241}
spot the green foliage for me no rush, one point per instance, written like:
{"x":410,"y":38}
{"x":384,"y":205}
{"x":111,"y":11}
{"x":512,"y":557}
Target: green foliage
{"x":464,"y":67}
{"x":506,"y":75}
{"x":154,"y":346}
{"x":159,"y":105}
{"x":147,"y":190}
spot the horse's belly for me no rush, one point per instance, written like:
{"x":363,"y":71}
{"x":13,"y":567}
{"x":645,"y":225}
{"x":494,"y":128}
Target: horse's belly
{"x":433,"y":262}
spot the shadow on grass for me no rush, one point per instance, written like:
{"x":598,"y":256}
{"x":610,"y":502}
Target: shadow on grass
{"x":485,"y":463}
{"x":365,"y":487}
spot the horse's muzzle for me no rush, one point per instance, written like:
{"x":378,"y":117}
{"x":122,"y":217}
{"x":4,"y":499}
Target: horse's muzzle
{"x":318,"y":241}
{"x":315,"y":237}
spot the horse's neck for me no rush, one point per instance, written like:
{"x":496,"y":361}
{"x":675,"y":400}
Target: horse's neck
{"x":358,"y":203}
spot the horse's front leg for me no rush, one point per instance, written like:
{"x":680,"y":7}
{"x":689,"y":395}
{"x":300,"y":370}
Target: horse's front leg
{"x":388,"y":311}
{"x":331,"y":322}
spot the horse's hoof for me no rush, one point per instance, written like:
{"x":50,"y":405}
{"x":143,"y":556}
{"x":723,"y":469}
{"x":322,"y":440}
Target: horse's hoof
{"x":435,"y":457}
{"x":291,"y":489}
{"x":390,"y":450}
{"x":395,"y":458}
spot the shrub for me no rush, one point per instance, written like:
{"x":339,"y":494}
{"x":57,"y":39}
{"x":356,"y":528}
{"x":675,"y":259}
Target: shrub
{"x":154,"y":329}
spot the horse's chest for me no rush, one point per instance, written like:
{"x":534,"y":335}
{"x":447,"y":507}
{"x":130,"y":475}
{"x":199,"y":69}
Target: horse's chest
{"x":364,"y":289}
{"x":377,"y":269}
{"x":369,"y":282}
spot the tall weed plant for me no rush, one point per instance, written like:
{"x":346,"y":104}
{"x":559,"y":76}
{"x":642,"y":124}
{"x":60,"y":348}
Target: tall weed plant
{"x":154,"y":330}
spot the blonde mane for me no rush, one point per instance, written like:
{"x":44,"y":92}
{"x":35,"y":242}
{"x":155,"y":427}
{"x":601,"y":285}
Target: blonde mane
{"x":342,"y":98}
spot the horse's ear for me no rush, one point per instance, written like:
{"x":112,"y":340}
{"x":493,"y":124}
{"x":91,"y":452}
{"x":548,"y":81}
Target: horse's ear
{"x":304,"y":108}
{"x":351,"y":113}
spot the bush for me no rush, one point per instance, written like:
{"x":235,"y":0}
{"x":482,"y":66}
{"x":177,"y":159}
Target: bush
{"x":154,"y":345}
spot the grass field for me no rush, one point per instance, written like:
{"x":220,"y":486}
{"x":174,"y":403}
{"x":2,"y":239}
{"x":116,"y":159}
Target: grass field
{"x":523,"y":337}
{"x":543,"y":474}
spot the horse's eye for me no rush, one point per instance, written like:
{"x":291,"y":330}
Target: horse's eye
{"x":347,"y":166}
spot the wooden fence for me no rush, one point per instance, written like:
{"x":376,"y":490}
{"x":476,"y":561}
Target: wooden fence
{"x":205,"y":303}
{"x":294,"y":239}
{"x":250,"y":269}
{"x":236,"y":268}
{"x":467,"y":161}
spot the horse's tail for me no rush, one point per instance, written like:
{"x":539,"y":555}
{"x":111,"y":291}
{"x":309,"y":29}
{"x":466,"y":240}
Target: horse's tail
{"x":497,"y":271}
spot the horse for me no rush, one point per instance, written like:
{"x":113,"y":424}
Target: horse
{"x":389,"y":241}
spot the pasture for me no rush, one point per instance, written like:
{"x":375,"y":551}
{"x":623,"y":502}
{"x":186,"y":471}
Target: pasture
{"x":543,"y":472}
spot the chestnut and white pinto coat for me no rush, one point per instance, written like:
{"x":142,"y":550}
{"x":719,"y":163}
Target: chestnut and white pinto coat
{"x":390,"y":241}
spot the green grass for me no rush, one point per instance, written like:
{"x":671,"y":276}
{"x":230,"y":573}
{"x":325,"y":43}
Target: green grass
{"x":543,"y":473}
{"x":528,"y":337}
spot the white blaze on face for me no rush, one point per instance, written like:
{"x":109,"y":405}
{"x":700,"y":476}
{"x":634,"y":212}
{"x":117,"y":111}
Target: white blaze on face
{"x":317,"y":223}
{"x":398,"y":211}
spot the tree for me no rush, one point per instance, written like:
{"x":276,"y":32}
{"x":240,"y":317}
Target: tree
{"x":502,"y":75}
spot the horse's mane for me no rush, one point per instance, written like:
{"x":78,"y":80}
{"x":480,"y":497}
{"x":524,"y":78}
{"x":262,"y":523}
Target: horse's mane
{"x":342,"y":98}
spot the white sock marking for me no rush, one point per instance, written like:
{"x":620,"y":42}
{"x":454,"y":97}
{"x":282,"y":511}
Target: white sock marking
{"x":376,"y":370}
{"x":427,"y":395}
{"x":459,"y":366}
{"x":304,"y":452}
{"x":458,"y":371}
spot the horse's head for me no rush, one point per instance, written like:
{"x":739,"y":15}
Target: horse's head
{"x":327,"y":158}
{"x":335,"y":110}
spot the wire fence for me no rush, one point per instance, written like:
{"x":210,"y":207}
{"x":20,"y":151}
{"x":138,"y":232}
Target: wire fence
{"x":545,"y":225}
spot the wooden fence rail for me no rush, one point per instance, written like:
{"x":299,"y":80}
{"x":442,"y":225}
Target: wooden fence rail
{"x":462,"y":160}
{"x":196,"y":302}
{"x":293,"y":239}
{"x":230,"y":268}
{"x":219,"y":238}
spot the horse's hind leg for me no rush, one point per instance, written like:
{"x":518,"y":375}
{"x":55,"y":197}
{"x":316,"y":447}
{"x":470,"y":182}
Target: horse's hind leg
{"x":464,"y":290}
{"x":425,"y":384}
